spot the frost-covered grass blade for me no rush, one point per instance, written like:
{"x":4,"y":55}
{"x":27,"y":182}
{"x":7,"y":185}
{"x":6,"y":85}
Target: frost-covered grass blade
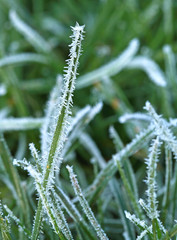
{"x":60,"y":128}
{"x":30,"y":34}
{"x":87,"y":210}
{"x":111,"y":68}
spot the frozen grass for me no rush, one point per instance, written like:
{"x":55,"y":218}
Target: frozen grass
{"x":121,"y":181}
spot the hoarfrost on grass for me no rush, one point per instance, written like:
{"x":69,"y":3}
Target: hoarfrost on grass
{"x":151,"y":179}
{"x":162,"y":129}
{"x":134,"y":116}
{"x":111,"y":68}
{"x":151,"y":68}
{"x":86,"y":208}
{"x":59,"y":131}
{"x":17,"y":124}
{"x":22,"y":58}
{"x":30,"y":34}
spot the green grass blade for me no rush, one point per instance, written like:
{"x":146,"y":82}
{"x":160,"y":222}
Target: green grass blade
{"x":30,"y":34}
{"x":20,"y":124}
{"x":22,"y":58}
{"x":4,"y":226}
{"x":122,"y":206}
{"x":87,"y":210}
{"x":18,"y":222}
{"x":111,"y":68}
{"x":151,"y":68}
{"x":130,"y":175}
{"x":129,"y":191}
{"x":110,"y":169}
{"x":59,"y":134}
{"x":73,"y":212}
{"x":14,"y":179}
{"x":168,"y":174}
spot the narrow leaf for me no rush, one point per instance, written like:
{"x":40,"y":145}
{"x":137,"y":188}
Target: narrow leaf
{"x":14,"y":178}
{"x":110,"y":169}
{"x":151,"y":68}
{"x":60,"y":129}
{"x":30,"y":34}
{"x":18,"y":222}
{"x":87,"y":210}
{"x":134,"y":116}
{"x":111,"y":68}
{"x":22,"y":58}
{"x":151,"y":181}
{"x":20,"y":124}
{"x":72,"y":211}
{"x":139,"y":223}
{"x":4,"y":226}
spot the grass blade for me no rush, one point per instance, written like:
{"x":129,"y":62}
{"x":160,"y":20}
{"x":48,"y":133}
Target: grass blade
{"x":60,"y":129}
{"x":72,"y":211}
{"x":30,"y":34}
{"x":110,"y":169}
{"x":22,"y":58}
{"x":87,"y":210}
{"x":18,"y":222}
{"x":111,"y":68}
{"x":4,"y":226}
{"x":20,"y":124}
{"x":14,"y":179}
{"x":168,"y":174}
{"x":151,"y":68}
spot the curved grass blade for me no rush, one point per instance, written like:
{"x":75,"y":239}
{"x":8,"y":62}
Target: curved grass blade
{"x":151,"y":68}
{"x":30,"y":34}
{"x":111,"y":68}
{"x":134,"y":116}
{"x":80,"y":121}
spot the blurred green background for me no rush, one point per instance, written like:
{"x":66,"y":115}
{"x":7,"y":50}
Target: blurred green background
{"x":110,"y":25}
